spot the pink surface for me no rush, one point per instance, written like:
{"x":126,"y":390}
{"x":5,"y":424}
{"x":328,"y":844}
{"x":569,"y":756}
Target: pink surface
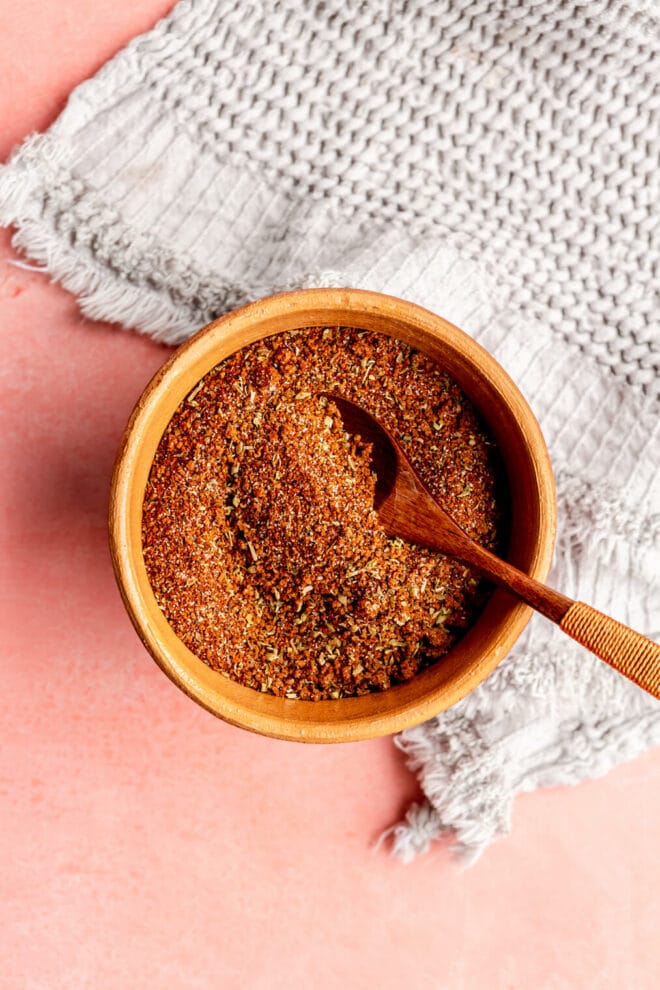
{"x":146,"y":844}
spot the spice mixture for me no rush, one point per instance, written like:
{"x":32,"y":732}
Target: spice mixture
{"x":259,"y":534}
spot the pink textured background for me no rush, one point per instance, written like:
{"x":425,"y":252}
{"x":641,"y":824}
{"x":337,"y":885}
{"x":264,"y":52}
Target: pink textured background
{"x":145,"y":844}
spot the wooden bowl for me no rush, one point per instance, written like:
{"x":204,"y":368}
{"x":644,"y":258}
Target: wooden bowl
{"x":531,"y":484}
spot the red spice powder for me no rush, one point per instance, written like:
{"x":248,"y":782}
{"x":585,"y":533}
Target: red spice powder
{"x":259,"y":534}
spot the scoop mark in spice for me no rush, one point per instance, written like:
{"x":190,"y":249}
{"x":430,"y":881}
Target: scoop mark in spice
{"x":259,"y":534}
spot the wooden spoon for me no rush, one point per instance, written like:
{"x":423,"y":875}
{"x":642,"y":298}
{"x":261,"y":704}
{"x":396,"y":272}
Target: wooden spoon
{"x":407,"y":509}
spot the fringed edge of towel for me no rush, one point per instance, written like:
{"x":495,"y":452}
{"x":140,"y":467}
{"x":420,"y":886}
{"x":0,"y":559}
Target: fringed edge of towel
{"x":101,"y":293}
{"x":470,"y":784}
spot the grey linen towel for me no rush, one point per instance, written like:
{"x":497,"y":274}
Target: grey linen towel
{"x":495,"y":162}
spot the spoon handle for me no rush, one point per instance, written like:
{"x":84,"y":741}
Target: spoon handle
{"x":632,"y":654}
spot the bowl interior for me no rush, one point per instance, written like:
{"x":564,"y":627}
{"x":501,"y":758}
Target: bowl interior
{"x":532,"y":512}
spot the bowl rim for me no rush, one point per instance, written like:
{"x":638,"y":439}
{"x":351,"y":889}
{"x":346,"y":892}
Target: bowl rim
{"x":347,"y":719}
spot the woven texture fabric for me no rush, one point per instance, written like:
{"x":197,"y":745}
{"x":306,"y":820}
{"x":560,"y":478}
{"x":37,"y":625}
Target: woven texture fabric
{"x":497,"y":162}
